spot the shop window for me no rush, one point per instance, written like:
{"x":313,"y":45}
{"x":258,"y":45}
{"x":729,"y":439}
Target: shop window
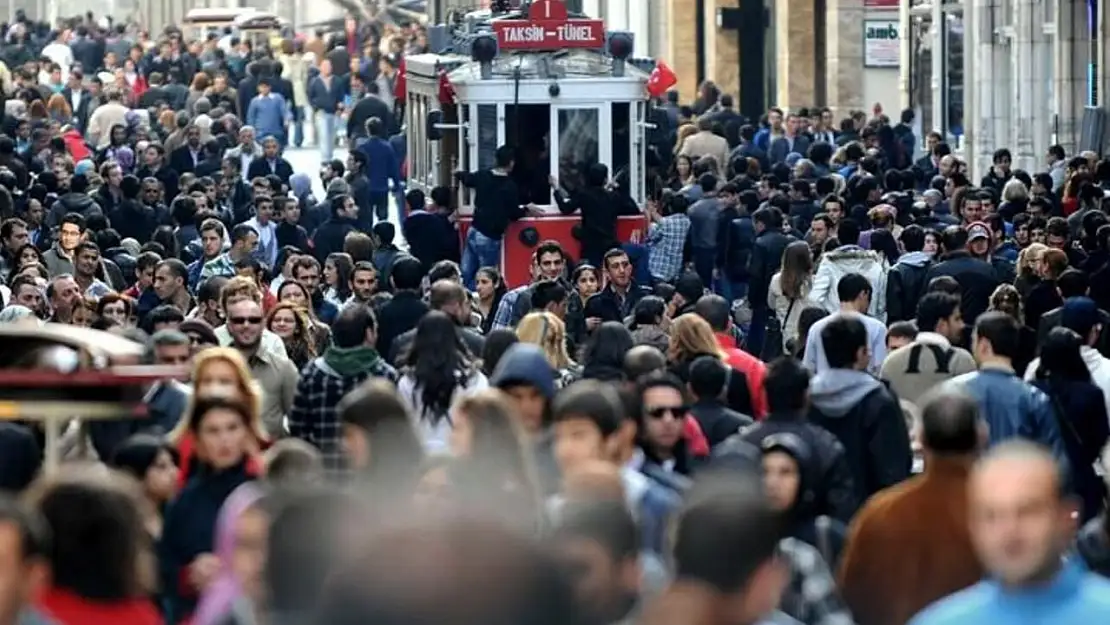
{"x":954,"y":76}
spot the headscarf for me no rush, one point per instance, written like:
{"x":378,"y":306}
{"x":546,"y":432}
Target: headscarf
{"x":217,"y":600}
{"x":301,"y":184}
{"x":14,"y":313}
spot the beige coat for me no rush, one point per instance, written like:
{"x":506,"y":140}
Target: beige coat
{"x":101,"y":121}
{"x":294,"y":68}
{"x":705,"y":143}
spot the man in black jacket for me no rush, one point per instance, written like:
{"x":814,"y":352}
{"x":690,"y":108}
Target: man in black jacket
{"x":766,"y":259}
{"x":905,"y":282}
{"x":370,"y":105}
{"x":708,"y":381}
{"x":1074,"y":283}
{"x":404,"y":311}
{"x":328,"y":238}
{"x":452,"y":299}
{"x":977,"y":278}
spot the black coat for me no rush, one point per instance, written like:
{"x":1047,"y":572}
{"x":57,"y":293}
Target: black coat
{"x":1081,"y":413}
{"x":181,"y":159}
{"x":329,"y":237}
{"x":766,"y":259}
{"x":83,"y":110}
{"x":363,"y":110}
{"x":166,"y":175}
{"x":1053,"y":318}
{"x":717,"y":422}
{"x":398,"y":316}
{"x":599,"y":210}
{"x":1042,"y":299}
{"x":977,"y":280}
{"x":260,"y":168}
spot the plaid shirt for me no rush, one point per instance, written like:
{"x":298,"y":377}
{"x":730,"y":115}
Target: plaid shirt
{"x":503,"y":317}
{"x":314,"y":418}
{"x":666,"y":240}
{"x":221,"y":265}
{"x":812,"y":596}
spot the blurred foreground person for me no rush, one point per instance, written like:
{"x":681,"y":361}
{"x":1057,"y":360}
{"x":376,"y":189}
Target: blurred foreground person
{"x":424,"y":574}
{"x":1021,"y":526}
{"x":24,"y":570}
{"x":910,"y":545}
{"x":106,"y":579}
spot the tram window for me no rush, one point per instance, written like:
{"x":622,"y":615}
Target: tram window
{"x":465,"y":163}
{"x":419,"y":162}
{"x":528,"y":129}
{"x":578,"y":145}
{"x":620,"y":139}
{"x":448,"y":161}
{"x":487,"y":136}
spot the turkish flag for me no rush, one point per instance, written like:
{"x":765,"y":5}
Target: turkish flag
{"x":662,"y":78}
{"x":446,"y":89}
{"x":400,"y":86}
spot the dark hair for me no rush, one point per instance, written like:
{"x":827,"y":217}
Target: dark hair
{"x":204,"y":405}
{"x":439,"y":362}
{"x":935,"y":307}
{"x":607,"y":523}
{"x":1000,"y":330}
{"x":852,"y":286}
{"x":378,"y":410}
{"x":351,"y":325}
{"x":138,"y":453}
{"x":607,"y":346}
{"x":715,"y":310}
{"x":407,"y":274}
{"x":648,"y":311}
{"x":847,"y":232}
{"x":950,"y":424}
{"x":843,"y":337}
{"x":1073,"y":283}
{"x":708,"y":377}
{"x":497,"y":343}
{"x":596,"y":401}
{"x":786,"y":385}
{"x":944,"y":284}
{"x":902,"y":330}
{"x":913,"y":238}
{"x":1061,"y":358}
{"x":546,"y":292}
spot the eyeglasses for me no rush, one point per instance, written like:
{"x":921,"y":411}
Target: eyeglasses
{"x":658,"y":412}
{"x":240,"y":321}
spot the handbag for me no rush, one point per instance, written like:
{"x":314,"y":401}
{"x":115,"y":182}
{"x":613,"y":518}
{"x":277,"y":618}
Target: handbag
{"x":772,"y":338}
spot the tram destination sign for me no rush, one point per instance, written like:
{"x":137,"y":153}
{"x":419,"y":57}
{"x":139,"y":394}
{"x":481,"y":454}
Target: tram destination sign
{"x":548,"y":27}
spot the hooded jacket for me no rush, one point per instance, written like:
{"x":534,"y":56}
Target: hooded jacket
{"x":1093,"y":545}
{"x":80,"y":203}
{"x":526,"y":364}
{"x":867,"y":419}
{"x":842,"y":261}
{"x":905,"y":284}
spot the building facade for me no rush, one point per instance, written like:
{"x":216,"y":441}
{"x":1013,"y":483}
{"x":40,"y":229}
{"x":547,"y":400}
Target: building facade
{"x":1015,"y":74}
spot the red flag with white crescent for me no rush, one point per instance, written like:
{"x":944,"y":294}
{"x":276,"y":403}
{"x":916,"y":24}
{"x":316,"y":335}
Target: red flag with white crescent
{"x":662,"y":78}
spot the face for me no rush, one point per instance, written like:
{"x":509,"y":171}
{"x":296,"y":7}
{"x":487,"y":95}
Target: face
{"x":284,"y":323}
{"x":330,"y":273}
{"x":166,"y":284}
{"x":66,"y":294}
{"x":683,"y":167}
{"x":244,"y":322}
{"x":577,"y":441}
{"x":292,"y":213}
{"x":973,"y":211}
{"x":931,"y":245}
{"x":152,"y":193}
{"x":270,"y":148}
{"x":222,"y":437}
{"x":587,"y":284}
{"x":952,"y":326}
{"x":35,"y":212}
{"x":160,"y":482}
{"x":893,"y":342}
{"x":530,"y":406}
{"x":19,"y":576}
{"x":218,"y":378}
{"x":192,"y":136}
{"x":1036,"y":235}
{"x":248,"y":557}
{"x":364,"y":283}
{"x":775,"y":119}
{"x":20,"y":237}
{"x":782,"y":479}
{"x":619,"y":270}
{"x":664,"y":412}
{"x":116,"y":311}
{"x":485,"y":286}
{"x":819,"y":231}
{"x":152,"y":156}
{"x":69,"y":236}
{"x":172,"y":354}
{"x":82,"y":317}
{"x":1056,"y":241}
{"x":28,"y":295}
{"x":264,"y":211}
{"x":835,"y":211}
{"x":212,"y":243}
{"x":246,"y":137}
{"x":1019,"y":524}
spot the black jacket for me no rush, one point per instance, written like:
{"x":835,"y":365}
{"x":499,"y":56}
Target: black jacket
{"x":133,"y":220}
{"x":83,"y":110}
{"x":1042,"y":299}
{"x":398,"y":316}
{"x":81,"y":203}
{"x":607,"y":305}
{"x":1053,"y":318}
{"x":835,"y":491}
{"x":765,"y":260}
{"x":474,"y":342}
{"x":977,"y":280}
{"x":260,"y":168}
{"x":431,"y":238}
{"x":905,"y":284}
{"x":330,"y":235}
{"x":1081,"y":413}
{"x":599,"y":210}
{"x":496,"y":201}
{"x":363,"y":110}
{"x":738,"y":238}
{"x":181,"y":159}
{"x":717,"y":422}
{"x":166,"y":175}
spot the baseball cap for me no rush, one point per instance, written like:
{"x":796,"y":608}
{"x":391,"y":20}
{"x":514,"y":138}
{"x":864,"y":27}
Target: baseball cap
{"x":978,"y":230}
{"x":1080,"y":315}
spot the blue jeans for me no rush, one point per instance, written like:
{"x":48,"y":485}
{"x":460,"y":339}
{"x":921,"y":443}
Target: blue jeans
{"x":480,"y":251}
{"x":298,"y":126}
{"x":704,"y":260}
{"x":325,"y":134}
{"x":733,"y":290}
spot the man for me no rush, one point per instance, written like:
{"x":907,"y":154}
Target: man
{"x":705,"y":218}
{"x":270,"y":162}
{"x":1022,"y":525}
{"x":382,"y":168}
{"x":708,"y":385}
{"x":790,"y":142}
{"x":75,"y":200}
{"x":244,"y":240}
{"x":63,"y":294}
{"x":1081,"y":315}
{"x":705,"y":143}
{"x":1057,"y":163}
{"x":85,"y":267}
{"x":1010,"y":407}
{"x":26,"y":292}
{"x":275,"y":375}
{"x":496,"y":205}
{"x":976,"y":277}
{"x":743,"y":589}
{"x":364,"y":282}
{"x":188,"y":157}
{"x":716,"y":311}
{"x":765,"y":261}
{"x":25,"y":544}
{"x":401,"y":313}
{"x":171,"y":284}
{"x":244,"y":153}
{"x":1074,"y":283}
{"x":306,"y":272}
{"x":212,"y":235}
{"x":854,"y":292}
{"x":859,"y":409}
{"x":549,"y":263}
{"x":13,"y":236}
{"x":329,"y":237}
{"x":263,"y":223}
{"x":269,"y":113}
{"x":325,"y":95}
{"x":900,"y":555}
{"x":620,"y":295}
{"x":452,"y":299}
{"x":850,"y":258}
{"x":348,"y":362}
{"x":79,"y":99}
{"x":905,"y":282}
{"x":155,"y":166}
{"x":930,"y":359}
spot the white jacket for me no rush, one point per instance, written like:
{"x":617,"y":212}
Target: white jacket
{"x":842,"y":261}
{"x":1097,"y":364}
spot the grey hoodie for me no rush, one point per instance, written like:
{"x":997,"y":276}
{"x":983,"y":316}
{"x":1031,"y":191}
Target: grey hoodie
{"x":914,"y":259}
{"x":836,"y":391}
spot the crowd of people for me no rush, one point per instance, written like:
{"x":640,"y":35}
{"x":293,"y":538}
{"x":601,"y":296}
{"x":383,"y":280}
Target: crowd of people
{"x":835,"y":383}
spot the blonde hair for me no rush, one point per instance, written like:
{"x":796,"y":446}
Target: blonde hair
{"x":548,"y":332}
{"x":692,"y":336}
{"x":1025,"y":258}
{"x":239,"y":287}
{"x":684,"y":131}
{"x":1014,"y":191}
{"x":247,"y":386}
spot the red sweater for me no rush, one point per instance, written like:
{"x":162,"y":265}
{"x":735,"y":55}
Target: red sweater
{"x":66,"y":608}
{"x":753,"y":369}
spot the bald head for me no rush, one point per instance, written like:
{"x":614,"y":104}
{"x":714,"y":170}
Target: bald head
{"x":642,"y":360}
{"x":950,"y":423}
{"x":1021,"y":461}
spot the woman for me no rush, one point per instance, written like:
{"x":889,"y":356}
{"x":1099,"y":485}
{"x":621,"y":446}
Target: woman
{"x":84,"y":312}
{"x":586,"y":282}
{"x":649,"y":318}
{"x":490,"y":289}
{"x":296,"y":294}
{"x":58,"y":110}
{"x":221,"y":428}
{"x":1028,"y":268}
{"x":547,"y":331}
{"x":932,"y":245}
{"x":438,"y":369}
{"x":101,"y":568}
{"x":497,"y":343}
{"x":200,"y":84}
{"x":1006,"y":299}
{"x":290,"y":322}
{"x":603,"y":355}
{"x":691,"y":337}
{"x":118,"y":150}
{"x":219,"y":372}
{"x":1080,"y":410}
{"x":788,"y":291}
{"x":28,"y":254}
{"x":338,"y":268}
{"x":1045,"y":296}
{"x":681,"y":174}
{"x":153,"y":462}
{"x":118,"y":308}
{"x":496,"y":470}
{"x":237,"y":595}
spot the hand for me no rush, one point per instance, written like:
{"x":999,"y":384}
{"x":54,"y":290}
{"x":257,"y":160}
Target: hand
{"x":203,"y":570}
{"x":553,"y":181}
{"x":592,"y":323}
{"x":533,"y":210}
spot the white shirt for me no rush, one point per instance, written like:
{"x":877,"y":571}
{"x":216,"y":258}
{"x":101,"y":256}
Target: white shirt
{"x":60,"y":54}
{"x":75,"y":99}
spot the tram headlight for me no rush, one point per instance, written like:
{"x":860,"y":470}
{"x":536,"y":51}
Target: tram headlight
{"x":620,"y":44}
{"x":483,"y":48}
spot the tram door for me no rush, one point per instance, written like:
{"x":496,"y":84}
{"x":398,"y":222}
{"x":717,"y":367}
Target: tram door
{"x":582,"y":137}
{"x":528,"y":131}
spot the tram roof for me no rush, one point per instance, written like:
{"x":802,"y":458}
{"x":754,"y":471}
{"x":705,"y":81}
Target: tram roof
{"x":563,"y":64}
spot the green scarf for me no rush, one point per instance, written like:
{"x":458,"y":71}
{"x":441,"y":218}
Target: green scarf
{"x":352,"y":360}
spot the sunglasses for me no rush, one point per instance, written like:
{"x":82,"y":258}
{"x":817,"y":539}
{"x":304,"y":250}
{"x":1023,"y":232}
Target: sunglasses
{"x":658,"y":412}
{"x":239,"y":321}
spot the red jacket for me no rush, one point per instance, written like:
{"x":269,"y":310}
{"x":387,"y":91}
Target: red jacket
{"x":752,"y":368}
{"x":66,"y":608}
{"x":696,"y":441}
{"x":75,"y":145}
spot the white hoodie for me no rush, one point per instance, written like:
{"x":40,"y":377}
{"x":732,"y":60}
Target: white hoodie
{"x":842,"y":261}
{"x":1097,"y":364}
